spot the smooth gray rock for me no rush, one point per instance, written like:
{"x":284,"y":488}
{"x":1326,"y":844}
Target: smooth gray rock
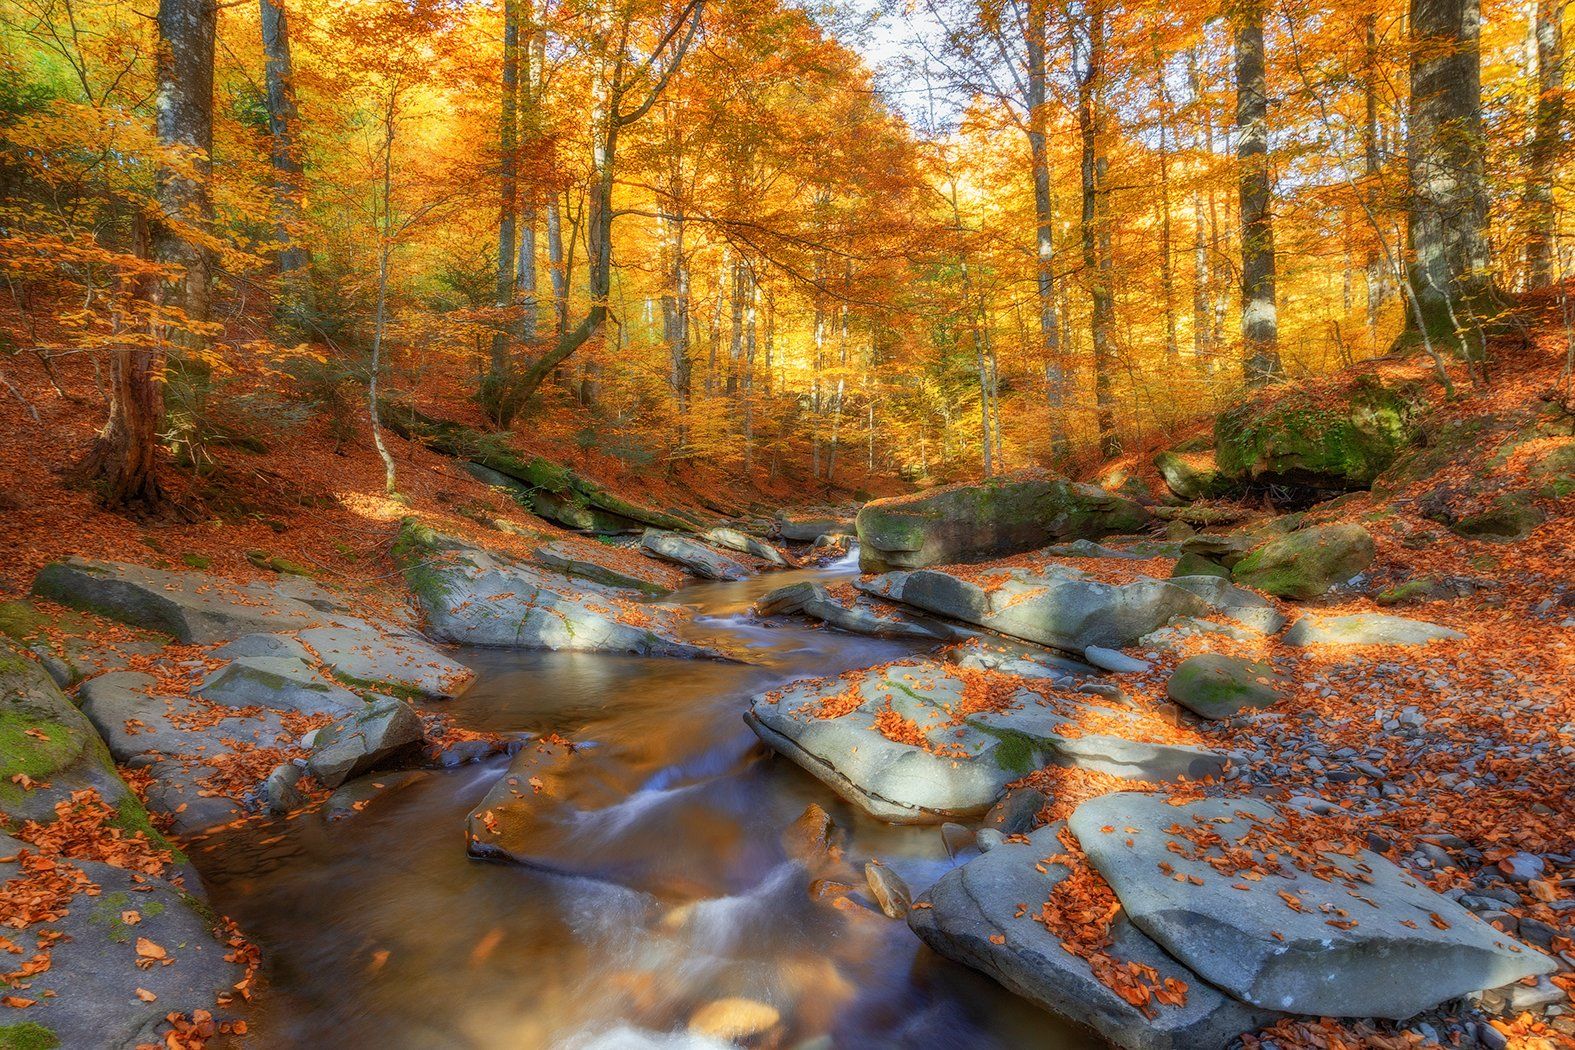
{"x":279,"y":791}
{"x":387,"y":659}
{"x":814,"y":601}
{"x":88,"y":996}
{"x":140,"y":727}
{"x":283,"y":646}
{"x":278,"y":683}
{"x":693,"y":555}
{"x":788,"y":600}
{"x":191,"y":606}
{"x":968,"y":762}
{"x":744,"y":543}
{"x":1114,"y":660}
{"x":562,"y":558}
{"x":385,"y":731}
{"x":981,"y":900}
{"x":1226,"y":934}
{"x":473,"y":596}
{"x":1365,"y":629}
{"x":808,"y":529}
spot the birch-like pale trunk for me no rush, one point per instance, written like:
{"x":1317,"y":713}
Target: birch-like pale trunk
{"x":1259,"y":313}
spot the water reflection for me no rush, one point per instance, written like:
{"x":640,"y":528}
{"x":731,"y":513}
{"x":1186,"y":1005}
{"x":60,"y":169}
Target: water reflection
{"x":379,"y":932}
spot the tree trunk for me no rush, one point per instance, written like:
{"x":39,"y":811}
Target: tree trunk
{"x":284,"y":154}
{"x":525,"y":278}
{"x":1202,"y":328}
{"x":1372,"y":171}
{"x":1057,"y":382}
{"x":1167,"y":275}
{"x":385,"y":248}
{"x":498,"y":397}
{"x":1546,"y":142}
{"x":1096,"y":260}
{"x":122,"y":465}
{"x":556,"y":268}
{"x":1449,"y":267}
{"x":1259,"y":318}
{"x":183,"y":108}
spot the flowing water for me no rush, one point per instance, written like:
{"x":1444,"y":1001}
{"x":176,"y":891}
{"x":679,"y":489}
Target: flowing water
{"x":671,"y":887}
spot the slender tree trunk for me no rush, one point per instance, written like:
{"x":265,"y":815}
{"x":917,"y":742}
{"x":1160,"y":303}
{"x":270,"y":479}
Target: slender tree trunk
{"x":1259,"y":317}
{"x":1202,"y":329}
{"x":1167,"y":274}
{"x":284,"y":153}
{"x":183,"y":112}
{"x":1057,"y":380}
{"x":499,"y":398}
{"x":1096,"y":262}
{"x":1546,"y":143}
{"x":1372,"y":171}
{"x":557,"y":269}
{"x":750,"y":313}
{"x":525,"y":276}
{"x":385,"y":248}
{"x":735,"y":338}
{"x":1449,"y":267}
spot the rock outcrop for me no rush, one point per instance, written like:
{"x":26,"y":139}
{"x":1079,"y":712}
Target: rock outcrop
{"x":703,"y":561}
{"x":1307,"y":563}
{"x":996,"y":517}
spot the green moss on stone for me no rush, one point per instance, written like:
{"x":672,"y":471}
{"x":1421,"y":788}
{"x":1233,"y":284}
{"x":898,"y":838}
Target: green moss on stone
{"x":28,"y":1035}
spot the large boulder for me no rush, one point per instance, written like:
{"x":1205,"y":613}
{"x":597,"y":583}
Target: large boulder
{"x":1258,"y":908}
{"x":901,"y":742}
{"x":191,"y":606}
{"x":1189,"y":471}
{"x":1308,"y":563}
{"x":128,"y":951}
{"x":1066,"y":608}
{"x":996,"y":517}
{"x":280,"y":683}
{"x":703,"y":561}
{"x":1331,"y":440}
{"x":73,"y":645}
{"x":474,"y":596}
{"x":563,"y":559}
{"x":1215,"y":686}
{"x":386,"y":659}
{"x":859,"y":617}
{"x":734,"y":540}
{"x":49,"y":749}
{"x":976,"y":915}
{"x":1366,"y":629}
{"x":384,"y":731}
{"x":807,"y":528}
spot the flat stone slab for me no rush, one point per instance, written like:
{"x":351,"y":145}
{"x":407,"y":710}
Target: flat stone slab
{"x":1215,"y":686}
{"x":984,"y":915}
{"x":88,"y":996}
{"x":360,"y":654}
{"x":139,"y":728}
{"x":1312,"y":933}
{"x":474,"y":596}
{"x":1365,"y":629}
{"x":734,"y":540}
{"x":1066,"y":608}
{"x":705,"y":562}
{"x":191,"y":606}
{"x":966,"y":760}
{"x":278,"y":682}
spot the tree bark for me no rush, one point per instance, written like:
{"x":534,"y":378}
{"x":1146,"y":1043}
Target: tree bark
{"x":1259,"y":317}
{"x":1057,"y":381}
{"x":1202,"y":320}
{"x":1096,"y":253}
{"x":557,"y":268}
{"x":1546,"y":143}
{"x":1372,"y":171}
{"x":1167,"y":275}
{"x":498,"y":397}
{"x":1449,"y":265}
{"x":284,"y":151}
{"x":183,"y":113}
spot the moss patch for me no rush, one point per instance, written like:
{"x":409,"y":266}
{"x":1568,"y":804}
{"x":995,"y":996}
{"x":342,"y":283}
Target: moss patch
{"x":27,"y":1036}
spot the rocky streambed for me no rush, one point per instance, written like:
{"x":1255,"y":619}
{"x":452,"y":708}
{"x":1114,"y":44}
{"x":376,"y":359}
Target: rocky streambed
{"x":710,"y":813}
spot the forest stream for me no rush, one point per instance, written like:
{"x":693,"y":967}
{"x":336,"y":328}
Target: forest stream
{"x":670,"y":886}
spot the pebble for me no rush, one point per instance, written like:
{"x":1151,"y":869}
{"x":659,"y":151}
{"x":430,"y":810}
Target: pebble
{"x":1523,"y":866}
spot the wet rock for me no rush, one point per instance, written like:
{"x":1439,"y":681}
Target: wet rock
{"x":956,"y":838}
{"x":891,"y":893}
{"x":788,"y":600}
{"x":355,"y":795}
{"x":807,"y":528}
{"x":563,"y":559}
{"x":1000,"y":516}
{"x":1361,"y":963}
{"x":988,"y":838}
{"x":277,"y":682}
{"x":744,"y":543}
{"x":88,"y":996}
{"x":385,"y":731}
{"x":504,"y":823}
{"x":810,"y":836}
{"x":1365,"y":629}
{"x":1308,"y":563}
{"x":387,"y":659}
{"x":735,"y":1020}
{"x":1213,"y":686}
{"x":191,"y":606}
{"x":961,"y":768}
{"x":973,"y":916}
{"x":693,"y":555}
{"x":1017,"y":811}
{"x":474,"y":596}
{"x":279,"y":791}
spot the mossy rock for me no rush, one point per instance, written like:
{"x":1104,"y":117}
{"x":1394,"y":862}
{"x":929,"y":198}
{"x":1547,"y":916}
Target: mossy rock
{"x":282,"y":566}
{"x":1213,"y":686}
{"x":1425,"y":589}
{"x":1336,"y":441}
{"x":1308,"y":563}
{"x":1512,"y":516}
{"x":996,"y":517}
{"x":27,"y":1036}
{"x":1191,"y":475}
{"x":1190,"y":564}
